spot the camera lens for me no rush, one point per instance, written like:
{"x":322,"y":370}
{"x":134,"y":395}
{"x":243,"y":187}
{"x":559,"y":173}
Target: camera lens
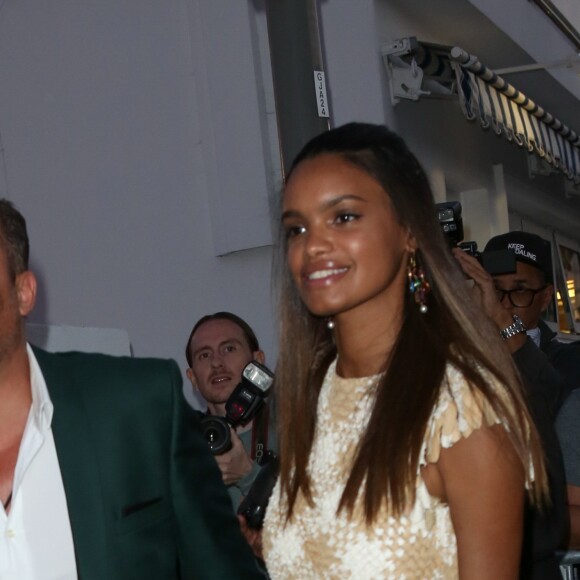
{"x":212,"y":435}
{"x":216,"y":431}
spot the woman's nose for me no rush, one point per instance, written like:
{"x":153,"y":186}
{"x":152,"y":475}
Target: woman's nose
{"x":319,"y":241}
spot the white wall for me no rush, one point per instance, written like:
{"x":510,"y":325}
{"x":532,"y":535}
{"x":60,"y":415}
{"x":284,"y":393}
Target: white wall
{"x":104,"y":111}
{"x":138,"y":139}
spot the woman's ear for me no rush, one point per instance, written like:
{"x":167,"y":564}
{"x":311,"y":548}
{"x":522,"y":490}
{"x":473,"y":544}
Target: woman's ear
{"x":411,"y":243}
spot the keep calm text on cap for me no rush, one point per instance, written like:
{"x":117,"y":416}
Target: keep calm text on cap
{"x":528,"y":248}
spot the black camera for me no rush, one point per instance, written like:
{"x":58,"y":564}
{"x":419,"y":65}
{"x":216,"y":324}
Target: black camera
{"x":495,"y":262}
{"x":241,"y":407}
{"x":253,"y":506}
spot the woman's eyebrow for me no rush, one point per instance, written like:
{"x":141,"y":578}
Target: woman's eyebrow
{"x":327,"y":204}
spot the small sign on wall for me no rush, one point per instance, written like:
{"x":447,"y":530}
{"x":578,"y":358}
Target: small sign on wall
{"x":320,"y":89}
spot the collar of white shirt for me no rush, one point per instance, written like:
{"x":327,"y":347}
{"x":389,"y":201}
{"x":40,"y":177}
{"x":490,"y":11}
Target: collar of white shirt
{"x":35,"y":537}
{"x":42,"y":409}
{"x":535,"y":335}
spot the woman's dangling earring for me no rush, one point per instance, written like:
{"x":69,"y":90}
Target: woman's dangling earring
{"x":418,"y":285}
{"x":329,"y":323}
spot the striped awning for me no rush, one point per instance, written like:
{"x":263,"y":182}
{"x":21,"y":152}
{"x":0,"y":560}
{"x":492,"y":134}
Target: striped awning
{"x":486,"y":97}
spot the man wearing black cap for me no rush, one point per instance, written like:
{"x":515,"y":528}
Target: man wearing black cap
{"x":528,"y":292}
{"x":515,"y":302}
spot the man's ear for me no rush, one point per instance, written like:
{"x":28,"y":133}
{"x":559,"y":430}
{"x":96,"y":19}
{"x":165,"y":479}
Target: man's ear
{"x":547,"y":295}
{"x":259,"y":356}
{"x":191,"y":378}
{"x":26,"y":292}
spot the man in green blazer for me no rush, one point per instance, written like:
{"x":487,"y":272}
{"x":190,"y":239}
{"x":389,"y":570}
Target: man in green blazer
{"x":104,"y":474}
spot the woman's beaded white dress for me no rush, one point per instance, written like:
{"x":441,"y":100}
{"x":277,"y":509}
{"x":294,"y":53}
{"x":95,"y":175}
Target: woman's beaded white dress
{"x":318,"y":543}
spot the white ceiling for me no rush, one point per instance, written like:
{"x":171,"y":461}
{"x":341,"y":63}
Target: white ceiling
{"x":505,"y":34}
{"x":540,"y":42}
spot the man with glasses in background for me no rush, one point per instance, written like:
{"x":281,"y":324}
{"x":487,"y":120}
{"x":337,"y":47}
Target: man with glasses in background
{"x":527,"y":293}
{"x":515,"y":302}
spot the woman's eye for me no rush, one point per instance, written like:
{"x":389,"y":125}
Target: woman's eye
{"x":347,"y":217}
{"x":293,"y":231}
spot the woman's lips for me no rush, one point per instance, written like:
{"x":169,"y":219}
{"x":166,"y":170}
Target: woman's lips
{"x":324,"y":275}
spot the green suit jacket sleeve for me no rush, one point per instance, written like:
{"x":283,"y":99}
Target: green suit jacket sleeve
{"x":144,"y":495}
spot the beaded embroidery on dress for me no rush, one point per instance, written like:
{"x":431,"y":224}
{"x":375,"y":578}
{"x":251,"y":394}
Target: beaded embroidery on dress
{"x":318,"y":543}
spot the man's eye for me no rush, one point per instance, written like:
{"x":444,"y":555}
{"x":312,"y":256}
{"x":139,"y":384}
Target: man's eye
{"x":229,"y":348}
{"x":203,"y":355}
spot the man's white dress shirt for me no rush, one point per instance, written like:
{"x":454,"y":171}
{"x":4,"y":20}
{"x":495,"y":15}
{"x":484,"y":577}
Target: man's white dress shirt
{"x":535,"y":335}
{"x":35,"y":537}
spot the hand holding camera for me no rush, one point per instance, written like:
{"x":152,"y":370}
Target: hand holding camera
{"x":485,"y":294}
{"x":235,"y":463}
{"x":451,"y":222}
{"x":246,"y":400}
{"x":241,"y":407}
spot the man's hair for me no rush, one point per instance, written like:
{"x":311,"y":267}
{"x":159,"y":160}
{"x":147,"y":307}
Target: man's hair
{"x":14,"y":237}
{"x":250,"y":335}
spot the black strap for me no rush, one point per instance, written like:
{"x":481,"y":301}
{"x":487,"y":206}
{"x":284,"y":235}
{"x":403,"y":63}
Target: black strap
{"x":260,"y":434}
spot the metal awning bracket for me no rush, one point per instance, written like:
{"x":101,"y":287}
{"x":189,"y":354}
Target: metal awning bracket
{"x":407,"y":78}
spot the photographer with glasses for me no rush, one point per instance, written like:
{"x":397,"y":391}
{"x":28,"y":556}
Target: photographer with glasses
{"x":515,"y":302}
{"x":528,"y":292}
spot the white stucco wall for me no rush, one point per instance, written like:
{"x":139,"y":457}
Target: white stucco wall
{"x":138,"y":138}
{"x":124,"y":130}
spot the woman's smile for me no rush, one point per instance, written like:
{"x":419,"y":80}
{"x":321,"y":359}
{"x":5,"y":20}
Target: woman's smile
{"x":324,"y":275}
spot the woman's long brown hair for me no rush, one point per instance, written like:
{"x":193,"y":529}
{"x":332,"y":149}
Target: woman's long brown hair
{"x":453,"y":330}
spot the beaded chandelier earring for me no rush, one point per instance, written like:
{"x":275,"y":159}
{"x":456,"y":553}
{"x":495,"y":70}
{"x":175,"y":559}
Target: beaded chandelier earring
{"x":418,"y":285}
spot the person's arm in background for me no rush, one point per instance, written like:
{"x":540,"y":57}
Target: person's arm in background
{"x":568,"y":429}
{"x":237,"y":466}
{"x":574,"y":511}
{"x":209,"y":539}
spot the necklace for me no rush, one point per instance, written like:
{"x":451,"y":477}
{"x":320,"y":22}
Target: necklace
{"x":6,"y":503}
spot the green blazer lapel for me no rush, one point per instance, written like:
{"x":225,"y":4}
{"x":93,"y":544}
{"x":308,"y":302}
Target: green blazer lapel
{"x":78,"y":466}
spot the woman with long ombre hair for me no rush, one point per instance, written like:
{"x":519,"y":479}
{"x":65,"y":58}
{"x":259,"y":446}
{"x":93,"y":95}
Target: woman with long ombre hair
{"x":406,"y":447}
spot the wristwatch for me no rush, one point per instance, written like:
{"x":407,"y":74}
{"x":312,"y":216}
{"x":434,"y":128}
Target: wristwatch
{"x":515,"y":328}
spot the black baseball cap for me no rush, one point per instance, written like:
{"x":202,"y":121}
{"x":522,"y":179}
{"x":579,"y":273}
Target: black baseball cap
{"x":528,"y":248}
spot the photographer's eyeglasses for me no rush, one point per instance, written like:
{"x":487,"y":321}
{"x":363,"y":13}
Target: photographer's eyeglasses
{"x":519,"y":297}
